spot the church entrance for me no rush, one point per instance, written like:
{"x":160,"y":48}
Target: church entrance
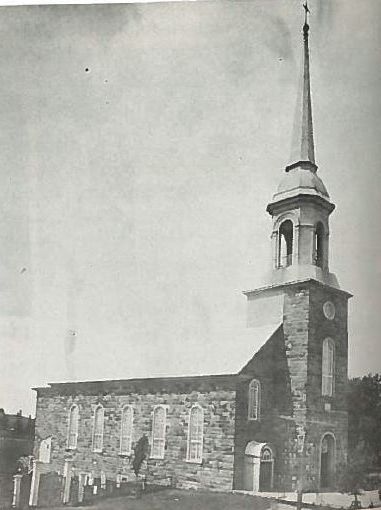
{"x":266,"y":470}
{"x":327,"y":462}
{"x":259,"y":467}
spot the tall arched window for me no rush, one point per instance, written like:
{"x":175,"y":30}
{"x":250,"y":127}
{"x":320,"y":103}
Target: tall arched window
{"x":126,"y":430}
{"x":285,"y":243}
{"x":195,"y":434}
{"x":319,"y":245}
{"x":98,"y":429}
{"x":254,"y":400}
{"x":328,"y":368}
{"x":72,"y":433}
{"x":158,"y":432}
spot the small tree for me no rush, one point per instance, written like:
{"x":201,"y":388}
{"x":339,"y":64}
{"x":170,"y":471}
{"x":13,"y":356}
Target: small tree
{"x":141,"y":451}
{"x":352,"y":476}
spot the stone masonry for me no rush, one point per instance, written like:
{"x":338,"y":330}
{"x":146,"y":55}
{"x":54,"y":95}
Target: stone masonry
{"x":216,"y":395}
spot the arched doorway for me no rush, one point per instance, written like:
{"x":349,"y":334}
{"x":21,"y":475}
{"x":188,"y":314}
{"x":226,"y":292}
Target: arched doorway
{"x":266,"y":471}
{"x":327,"y":461}
{"x":259,"y":467}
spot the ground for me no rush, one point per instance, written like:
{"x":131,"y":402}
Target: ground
{"x":174,"y":499}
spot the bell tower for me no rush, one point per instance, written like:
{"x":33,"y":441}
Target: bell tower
{"x":301,"y":206}
{"x":306,"y":376}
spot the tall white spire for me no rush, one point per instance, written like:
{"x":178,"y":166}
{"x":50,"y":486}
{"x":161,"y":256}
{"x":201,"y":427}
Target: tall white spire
{"x":303,"y":150}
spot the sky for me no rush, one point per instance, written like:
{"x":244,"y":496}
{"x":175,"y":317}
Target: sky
{"x":139,"y":147}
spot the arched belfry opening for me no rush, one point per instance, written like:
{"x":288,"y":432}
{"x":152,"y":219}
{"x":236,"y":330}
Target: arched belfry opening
{"x":319,"y":245}
{"x":285,"y":243}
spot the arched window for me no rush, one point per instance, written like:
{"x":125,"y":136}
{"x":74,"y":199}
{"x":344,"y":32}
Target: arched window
{"x":195,"y":434}
{"x":72,"y":433}
{"x":319,"y":245}
{"x":266,"y":455}
{"x":98,"y":429}
{"x":328,"y":368}
{"x":126,"y":430}
{"x":285,"y":243}
{"x":158,"y":432}
{"x":254,"y":400}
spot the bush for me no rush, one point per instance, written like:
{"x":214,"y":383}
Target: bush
{"x":141,"y":451}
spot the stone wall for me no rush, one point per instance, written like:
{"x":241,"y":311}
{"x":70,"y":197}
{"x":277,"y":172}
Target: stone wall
{"x":289,"y":367}
{"x":327,"y":414}
{"x":216,"y":396}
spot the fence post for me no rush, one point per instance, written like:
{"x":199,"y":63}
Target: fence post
{"x":81,"y":486}
{"x":16,"y":491}
{"x":67,"y":481}
{"x":33,"y":496}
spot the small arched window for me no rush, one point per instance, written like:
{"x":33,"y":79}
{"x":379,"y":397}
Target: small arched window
{"x":254,"y":400}
{"x":328,"y":368}
{"x":285,"y":243}
{"x":158,"y":432}
{"x":126,"y":430}
{"x":319,"y":244}
{"x":72,"y":433}
{"x":98,"y":429}
{"x":195,"y":434}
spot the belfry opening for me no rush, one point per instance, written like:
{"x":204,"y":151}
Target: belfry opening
{"x":319,"y":245}
{"x":285,"y":246}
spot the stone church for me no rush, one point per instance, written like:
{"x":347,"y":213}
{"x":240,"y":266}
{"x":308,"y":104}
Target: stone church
{"x":275,"y":419}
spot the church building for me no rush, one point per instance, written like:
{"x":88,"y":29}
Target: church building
{"x":276,"y":418}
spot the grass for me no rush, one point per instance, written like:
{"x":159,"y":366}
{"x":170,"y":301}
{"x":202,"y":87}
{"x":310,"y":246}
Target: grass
{"x":175,"y":499}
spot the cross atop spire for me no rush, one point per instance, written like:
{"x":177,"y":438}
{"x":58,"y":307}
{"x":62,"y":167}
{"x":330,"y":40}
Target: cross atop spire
{"x":307,"y":11}
{"x":303,"y":151}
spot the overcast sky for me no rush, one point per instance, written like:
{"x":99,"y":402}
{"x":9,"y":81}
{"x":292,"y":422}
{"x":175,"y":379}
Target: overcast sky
{"x":139,"y":147}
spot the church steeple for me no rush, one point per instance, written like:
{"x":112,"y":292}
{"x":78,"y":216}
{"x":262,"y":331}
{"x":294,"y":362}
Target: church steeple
{"x":300,"y":207}
{"x":303,"y":150}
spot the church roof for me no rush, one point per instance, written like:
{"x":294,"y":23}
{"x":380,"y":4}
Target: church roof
{"x":300,"y":180}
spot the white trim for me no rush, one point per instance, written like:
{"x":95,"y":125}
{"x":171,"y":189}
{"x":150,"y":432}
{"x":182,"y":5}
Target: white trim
{"x":154,"y":438}
{"x":200,"y":441}
{"x":289,"y":215}
{"x":328,"y":379}
{"x":100,"y":448}
{"x":250,"y":402}
{"x":128,"y":450}
{"x":69,"y":444}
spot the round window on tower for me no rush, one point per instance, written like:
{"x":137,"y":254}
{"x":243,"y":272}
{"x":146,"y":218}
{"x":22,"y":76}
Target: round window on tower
{"x":329,"y":310}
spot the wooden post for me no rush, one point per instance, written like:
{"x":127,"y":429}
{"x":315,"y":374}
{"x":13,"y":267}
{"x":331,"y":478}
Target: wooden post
{"x":81,"y":486}
{"x":33,"y":497}
{"x":67,"y":481}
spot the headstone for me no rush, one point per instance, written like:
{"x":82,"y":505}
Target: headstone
{"x":45,"y":450}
